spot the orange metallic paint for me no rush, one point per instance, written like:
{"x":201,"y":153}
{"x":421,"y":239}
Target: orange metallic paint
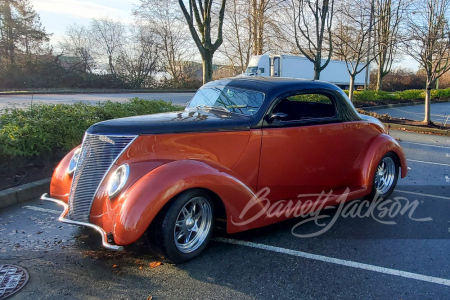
{"x":234,"y":166}
{"x":61,"y":180}
{"x":224,"y":148}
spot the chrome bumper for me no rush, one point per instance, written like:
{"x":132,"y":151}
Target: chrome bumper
{"x":97,"y":228}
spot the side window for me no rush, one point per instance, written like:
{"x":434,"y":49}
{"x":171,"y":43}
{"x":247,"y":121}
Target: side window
{"x":306,"y":106}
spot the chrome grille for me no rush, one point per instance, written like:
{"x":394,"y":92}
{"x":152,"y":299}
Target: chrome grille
{"x":98,"y":153}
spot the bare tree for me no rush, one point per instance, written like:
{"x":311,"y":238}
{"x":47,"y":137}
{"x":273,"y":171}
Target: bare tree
{"x":429,"y":42}
{"x":78,"y":42}
{"x":138,"y":61}
{"x":200,"y":10}
{"x":313,"y":20}
{"x":253,"y":28}
{"x":389,"y":15}
{"x":237,"y":46}
{"x":108,"y":36}
{"x":261,"y":12}
{"x":351,"y":38}
{"x":165,"y":19}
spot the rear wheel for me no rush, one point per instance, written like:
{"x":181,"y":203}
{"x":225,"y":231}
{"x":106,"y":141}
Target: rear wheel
{"x":385,"y":177}
{"x":183,"y":229}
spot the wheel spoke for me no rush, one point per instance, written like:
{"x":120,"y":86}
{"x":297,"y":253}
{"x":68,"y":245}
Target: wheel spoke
{"x":198,"y":215}
{"x":180,"y":235}
{"x":189,"y":233}
{"x":192,"y":212}
{"x":385,"y":175}
{"x":185,"y":212}
{"x":188,"y":237}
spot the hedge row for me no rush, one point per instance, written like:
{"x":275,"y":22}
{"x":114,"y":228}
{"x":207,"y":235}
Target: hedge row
{"x":46,"y":128}
{"x":407,"y":95}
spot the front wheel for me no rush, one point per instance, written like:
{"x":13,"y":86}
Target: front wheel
{"x":182,"y":231}
{"x":385,"y":177}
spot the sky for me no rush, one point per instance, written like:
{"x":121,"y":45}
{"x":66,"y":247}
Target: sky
{"x":57,"y":15}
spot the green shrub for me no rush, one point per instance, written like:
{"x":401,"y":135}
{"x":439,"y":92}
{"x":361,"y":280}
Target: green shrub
{"x":369,"y":96}
{"x":47,"y":128}
{"x":440,"y":94}
{"x":411,"y":95}
{"x":407,"y":95}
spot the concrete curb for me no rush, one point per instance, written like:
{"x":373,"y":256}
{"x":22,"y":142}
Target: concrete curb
{"x":23,"y":193}
{"x":417,"y":129}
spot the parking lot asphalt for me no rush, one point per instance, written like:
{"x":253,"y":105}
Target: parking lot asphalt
{"x":25,"y":100}
{"x":439,"y":112}
{"x":357,"y":258}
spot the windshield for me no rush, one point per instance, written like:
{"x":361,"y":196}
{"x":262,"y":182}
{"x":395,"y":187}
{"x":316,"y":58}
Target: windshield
{"x":252,"y":70}
{"x":234,"y":100}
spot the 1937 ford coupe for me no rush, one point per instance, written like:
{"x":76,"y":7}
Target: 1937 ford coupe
{"x":173,"y":175}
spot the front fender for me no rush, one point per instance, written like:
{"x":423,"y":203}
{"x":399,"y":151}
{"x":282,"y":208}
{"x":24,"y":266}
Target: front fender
{"x":381,"y":145}
{"x":61,"y":180}
{"x":140,"y":204}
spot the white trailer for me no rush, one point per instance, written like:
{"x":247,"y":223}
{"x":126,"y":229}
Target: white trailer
{"x":301,"y":67}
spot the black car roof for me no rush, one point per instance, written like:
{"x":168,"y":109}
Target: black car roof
{"x":273,"y":87}
{"x":269,"y":85}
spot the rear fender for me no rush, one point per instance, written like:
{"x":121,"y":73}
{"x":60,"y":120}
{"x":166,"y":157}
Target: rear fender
{"x":381,"y":145}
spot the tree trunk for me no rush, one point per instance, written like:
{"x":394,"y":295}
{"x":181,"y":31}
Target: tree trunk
{"x":207,"y":68}
{"x":379,"y":79}
{"x":317,"y":71}
{"x":351,"y":87}
{"x":427,"y":118}
{"x":9,"y":28}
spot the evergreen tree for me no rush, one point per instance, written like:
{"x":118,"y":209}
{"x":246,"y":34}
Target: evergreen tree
{"x":21,"y":31}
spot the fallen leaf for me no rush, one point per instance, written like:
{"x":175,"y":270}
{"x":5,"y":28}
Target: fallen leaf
{"x":150,"y":297}
{"x":84,"y":236}
{"x":154,"y":264}
{"x":140,"y":268}
{"x":39,"y":232}
{"x":115,"y":266}
{"x":138,"y":262}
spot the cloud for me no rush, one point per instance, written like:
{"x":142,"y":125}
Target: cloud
{"x":80,"y":9}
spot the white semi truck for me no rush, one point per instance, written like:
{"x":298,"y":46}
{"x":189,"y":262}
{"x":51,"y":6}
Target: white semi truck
{"x":300,"y":67}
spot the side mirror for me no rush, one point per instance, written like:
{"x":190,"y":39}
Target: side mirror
{"x":277,"y":116}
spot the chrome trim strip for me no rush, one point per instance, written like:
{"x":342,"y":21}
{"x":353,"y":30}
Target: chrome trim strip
{"x":112,"y":164}
{"x":97,"y":228}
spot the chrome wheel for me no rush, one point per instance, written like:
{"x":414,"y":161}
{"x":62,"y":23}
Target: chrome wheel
{"x":192,"y":225}
{"x":385,"y":175}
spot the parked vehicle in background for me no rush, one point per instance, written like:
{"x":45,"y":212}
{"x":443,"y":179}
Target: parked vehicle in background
{"x":300,"y":67}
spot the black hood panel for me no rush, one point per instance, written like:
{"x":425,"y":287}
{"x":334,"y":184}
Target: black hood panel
{"x":173,"y":122}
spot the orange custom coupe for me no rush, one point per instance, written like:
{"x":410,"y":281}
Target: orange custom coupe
{"x":173,"y":175}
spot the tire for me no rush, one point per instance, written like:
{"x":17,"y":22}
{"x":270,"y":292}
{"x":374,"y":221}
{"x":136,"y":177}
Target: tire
{"x":385,"y":177}
{"x":173,"y":236}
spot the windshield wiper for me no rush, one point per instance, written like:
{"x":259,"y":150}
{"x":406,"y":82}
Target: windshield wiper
{"x":221,"y":108}
{"x":202,"y":106}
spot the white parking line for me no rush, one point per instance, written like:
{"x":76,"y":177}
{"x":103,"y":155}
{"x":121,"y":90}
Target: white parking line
{"x":428,"y":162}
{"x":337,"y":261}
{"x":421,"y":144}
{"x":50,"y":211}
{"x":422,"y":194}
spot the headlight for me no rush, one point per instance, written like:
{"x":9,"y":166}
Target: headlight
{"x":118,"y":180}
{"x":74,"y":161}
